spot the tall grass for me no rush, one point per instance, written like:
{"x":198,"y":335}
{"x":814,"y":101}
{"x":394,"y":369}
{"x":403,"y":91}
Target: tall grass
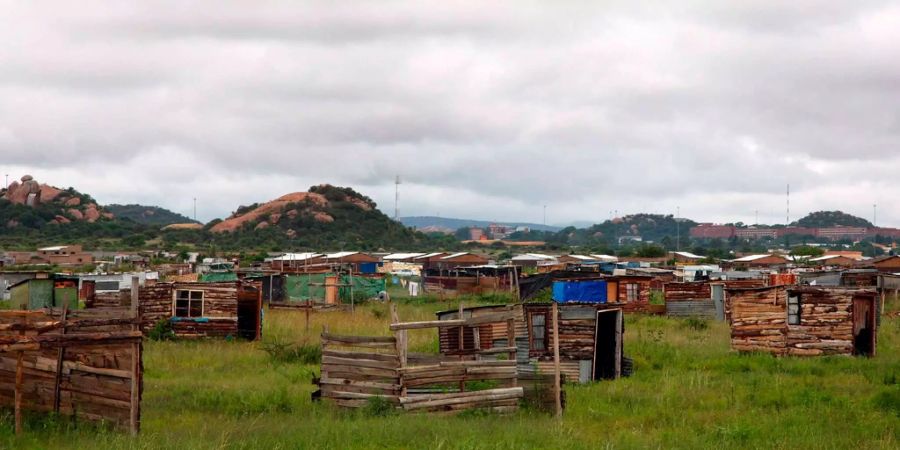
{"x":688,"y":391}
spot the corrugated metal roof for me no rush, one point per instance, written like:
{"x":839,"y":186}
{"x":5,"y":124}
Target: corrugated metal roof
{"x":296,"y":256}
{"x":750,"y":258}
{"x":430,"y":255}
{"x":340,"y":255}
{"x":394,"y":256}
{"x":455,"y":255}
{"x":688,"y":255}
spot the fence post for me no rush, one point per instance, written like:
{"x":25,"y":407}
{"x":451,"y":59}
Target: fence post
{"x":60,"y":357}
{"x":18,"y":393}
{"x":400,"y":344}
{"x":557,"y":388}
{"x":136,"y":381}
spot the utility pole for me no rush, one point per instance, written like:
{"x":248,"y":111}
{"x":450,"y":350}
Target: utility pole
{"x":7,"y":181}
{"x":397,"y":198}
{"x":545,"y":215}
{"x":195,"y":209}
{"x":677,"y":229}
{"x":788,"y":220}
{"x":875,"y":214}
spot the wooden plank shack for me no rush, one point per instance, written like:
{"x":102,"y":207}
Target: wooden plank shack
{"x":803,"y":321}
{"x":86,"y":364}
{"x":460,"y":370}
{"x":630,"y":292}
{"x":691,"y":291}
{"x":533,"y":339}
{"x":198,"y":310}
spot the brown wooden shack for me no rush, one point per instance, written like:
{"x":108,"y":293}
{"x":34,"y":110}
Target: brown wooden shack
{"x":195,"y":310}
{"x":590,"y":336}
{"x":803,"y":321}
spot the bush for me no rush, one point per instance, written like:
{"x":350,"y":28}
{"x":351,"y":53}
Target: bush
{"x":285,"y":352}
{"x":696,"y":323}
{"x":378,"y":407}
{"x":162,"y":331}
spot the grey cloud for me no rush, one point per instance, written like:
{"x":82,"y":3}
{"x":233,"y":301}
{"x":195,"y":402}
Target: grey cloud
{"x":486,"y":110}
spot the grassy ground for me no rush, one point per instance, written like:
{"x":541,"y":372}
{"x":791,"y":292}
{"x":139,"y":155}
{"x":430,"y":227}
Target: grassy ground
{"x":688,"y":391}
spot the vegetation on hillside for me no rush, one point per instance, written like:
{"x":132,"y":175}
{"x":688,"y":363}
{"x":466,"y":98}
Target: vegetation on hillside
{"x":824,"y":219}
{"x":147,"y":215}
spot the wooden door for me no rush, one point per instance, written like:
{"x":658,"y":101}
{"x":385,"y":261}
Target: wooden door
{"x":608,"y":333}
{"x":331,"y":289}
{"x":864,"y":335}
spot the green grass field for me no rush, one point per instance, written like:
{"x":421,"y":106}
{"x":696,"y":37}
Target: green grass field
{"x":688,"y":391}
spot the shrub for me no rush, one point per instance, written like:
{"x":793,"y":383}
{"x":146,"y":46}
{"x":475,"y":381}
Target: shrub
{"x":696,"y":323}
{"x":286,"y":352}
{"x":378,"y":407}
{"x":162,"y":331}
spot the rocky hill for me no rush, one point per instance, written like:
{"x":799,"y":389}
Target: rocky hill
{"x":326,"y":216}
{"x":147,"y":215}
{"x":825,"y":219}
{"x":30,"y":204}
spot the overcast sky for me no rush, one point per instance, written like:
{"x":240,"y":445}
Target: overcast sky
{"x":486,"y":110}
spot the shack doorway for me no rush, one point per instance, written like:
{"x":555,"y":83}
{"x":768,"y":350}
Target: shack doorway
{"x":608,"y":345}
{"x":249,"y":320}
{"x":864,"y":326}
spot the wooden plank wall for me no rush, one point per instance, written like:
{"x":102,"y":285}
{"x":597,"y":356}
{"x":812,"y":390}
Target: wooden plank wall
{"x":642,"y":305}
{"x":675,"y":292}
{"x":358,"y":368}
{"x":88,"y":365}
{"x":758,"y":319}
{"x":826,"y":323}
{"x":220,"y":309}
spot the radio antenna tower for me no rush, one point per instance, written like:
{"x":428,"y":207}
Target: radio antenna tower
{"x":397,"y":198}
{"x":788,"y":221}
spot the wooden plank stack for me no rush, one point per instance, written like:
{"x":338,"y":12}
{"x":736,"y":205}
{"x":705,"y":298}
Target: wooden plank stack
{"x":85,"y":364}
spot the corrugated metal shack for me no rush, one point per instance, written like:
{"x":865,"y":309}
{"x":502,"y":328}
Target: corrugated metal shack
{"x":204,"y":309}
{"x":803,"y":321}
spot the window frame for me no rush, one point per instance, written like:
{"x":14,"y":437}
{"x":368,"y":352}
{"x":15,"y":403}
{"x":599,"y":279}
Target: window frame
{"x":797,"y":317}
{"x":546,"y":339}
{"x":632,"y":288}
{"x":189,"y":300}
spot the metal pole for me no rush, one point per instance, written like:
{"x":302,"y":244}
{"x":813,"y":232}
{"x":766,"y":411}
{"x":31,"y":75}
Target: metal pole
{"x":677,"y":229}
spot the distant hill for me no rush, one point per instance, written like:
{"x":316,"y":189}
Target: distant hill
{"x":825,"y":219}
{"x":432,"y":222}
{"x":326,"y":217}
{"x":649,"y":227}
{"x":147,"y":215}
{"x":28,"y":204}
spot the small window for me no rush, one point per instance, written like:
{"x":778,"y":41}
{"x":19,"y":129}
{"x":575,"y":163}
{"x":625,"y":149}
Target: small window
{"x":188,"y":303}
{"x":793,"y":308}
{"x":537,"y":326}
{"x":632,"y":292}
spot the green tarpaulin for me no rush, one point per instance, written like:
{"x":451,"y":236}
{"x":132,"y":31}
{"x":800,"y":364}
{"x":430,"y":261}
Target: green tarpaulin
{"x":213,"y":277}
{"x":300,"y":288}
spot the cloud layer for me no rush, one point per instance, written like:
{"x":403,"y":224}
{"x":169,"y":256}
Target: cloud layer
{"x":486,"y":110}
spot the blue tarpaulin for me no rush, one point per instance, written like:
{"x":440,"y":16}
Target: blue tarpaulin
{"x":593,"y":291}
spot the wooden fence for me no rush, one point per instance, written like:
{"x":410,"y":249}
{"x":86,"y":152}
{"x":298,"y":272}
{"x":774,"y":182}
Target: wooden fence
{"x":85,"y":364}
{"x":382,"y":367}
{"x":356,"y":369}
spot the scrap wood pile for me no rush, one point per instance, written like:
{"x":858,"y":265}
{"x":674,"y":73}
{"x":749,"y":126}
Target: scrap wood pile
{"x":83,"y":364}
